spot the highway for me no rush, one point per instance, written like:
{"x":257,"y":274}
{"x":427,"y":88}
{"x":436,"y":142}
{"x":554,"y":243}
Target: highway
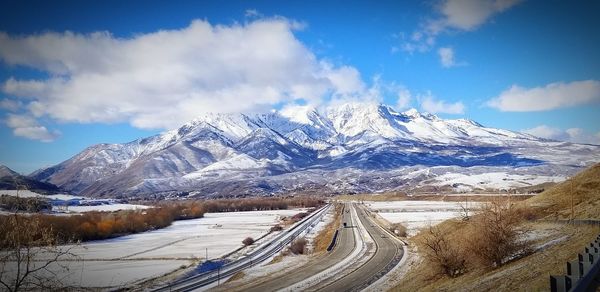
{"x":360,"y":272}
{"x":344,"y":247}
{"x":387,"y":254}
{"x":258,"y":256}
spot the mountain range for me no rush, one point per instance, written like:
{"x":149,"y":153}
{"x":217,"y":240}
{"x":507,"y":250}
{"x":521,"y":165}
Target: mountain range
{"x":11,"y":180}
{"x":346,"y":148}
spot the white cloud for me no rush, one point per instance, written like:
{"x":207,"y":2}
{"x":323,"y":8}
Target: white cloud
{"x":252,"y":13}
{"x":461,"y":15}
{"x":470,"y":14}
{"x":575,"y":135}
{"x":28,"y":127}
{"x":166,"y":78}
{"x":404,"y":98}
{"x":447,"y":57}
{"x":432,"y":105}
{"x":9,"y":104}
{"x":549,"y":97}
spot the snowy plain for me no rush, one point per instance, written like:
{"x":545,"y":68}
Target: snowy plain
{"x":30,"y":194}
{"x":126,"y":260}
{"x":415,"y":215}
{"x":493,"y":180}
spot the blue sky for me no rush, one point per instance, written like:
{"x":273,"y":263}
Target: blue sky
{"x":75,"y":74}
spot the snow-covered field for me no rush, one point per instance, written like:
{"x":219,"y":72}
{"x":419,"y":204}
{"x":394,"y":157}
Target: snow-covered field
{"x":290,"y":261}
{"x":29,"y":194}
{"x":418,"y":214}
{"x":130,"y":259}
{"x":103,"y":208}
{"x":493,"y":180}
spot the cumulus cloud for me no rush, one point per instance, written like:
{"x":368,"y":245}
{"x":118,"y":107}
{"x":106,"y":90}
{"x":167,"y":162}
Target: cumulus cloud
{"x":166,"y":78}
{"x":457,"y":15}
{"x":549,"y":97}
{"x":9,"y":104}
{"x":28,"y":127}
{"x":432,"y":105}
{"x":470,"y":14}
{"x":575,"y":135}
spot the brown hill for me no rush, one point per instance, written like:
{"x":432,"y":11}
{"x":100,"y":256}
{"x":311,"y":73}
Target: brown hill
{"x":581,"y":191}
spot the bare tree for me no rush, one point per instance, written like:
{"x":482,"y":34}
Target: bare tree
{"x":464,"y":214}
{"x":498,"y":234}
{"x":30,"y":257}
{"x":445,"y":256}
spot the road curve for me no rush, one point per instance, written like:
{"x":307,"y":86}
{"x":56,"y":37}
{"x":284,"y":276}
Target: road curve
{"x":344,"y":247}
{"x":387,"y":254}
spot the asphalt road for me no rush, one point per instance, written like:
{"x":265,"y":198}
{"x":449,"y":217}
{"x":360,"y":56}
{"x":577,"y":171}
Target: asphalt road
{"x":344,"y":247}
{"x":388,"y":252}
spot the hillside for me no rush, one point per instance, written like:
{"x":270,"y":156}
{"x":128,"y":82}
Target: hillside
{"x":553,"y":243}
{"x":582,"y":190}
{"x":10,"y":180}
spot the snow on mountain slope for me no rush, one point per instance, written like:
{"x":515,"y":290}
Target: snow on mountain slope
{"x":5,"y":171}
{"x":266,"y":153}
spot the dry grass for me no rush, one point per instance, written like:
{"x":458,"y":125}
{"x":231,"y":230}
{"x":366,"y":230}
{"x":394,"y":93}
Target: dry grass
{"x":276,"y":259}
{"x":236,"y":276}
{"x":582,"y":191}
{"x":323,"y":239}
{"x":531,"y":272}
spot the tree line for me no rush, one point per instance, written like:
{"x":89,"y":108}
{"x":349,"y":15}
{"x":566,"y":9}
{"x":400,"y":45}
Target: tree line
{"x":102,"y":225}
{"x":31,"y":204}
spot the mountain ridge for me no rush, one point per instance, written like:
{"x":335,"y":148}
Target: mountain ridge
{"x":11,"y":180}
{"x":273,"y":148}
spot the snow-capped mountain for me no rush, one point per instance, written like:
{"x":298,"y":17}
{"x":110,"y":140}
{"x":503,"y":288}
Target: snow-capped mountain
{"x":353,"y":147}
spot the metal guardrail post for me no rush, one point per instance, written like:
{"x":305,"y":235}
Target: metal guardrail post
{"x":581,"y":273}
{"x":560,"y":283}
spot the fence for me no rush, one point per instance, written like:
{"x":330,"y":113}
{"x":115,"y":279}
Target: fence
{"x":582,"y":273}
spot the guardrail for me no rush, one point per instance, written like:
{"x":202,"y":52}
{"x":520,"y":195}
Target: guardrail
{"x":257,"y":256}
{"x":581,"y":273}
{"x":333,"y":240}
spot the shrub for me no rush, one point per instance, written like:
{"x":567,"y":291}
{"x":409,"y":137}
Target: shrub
{"x":444,"y":255}
{"x":398,"y":229}
{"x":496,"y":236}
{"x":299,"y":216}
{"x":248,"y":241}
{"x":276,"y":228}
{"x":33,"y":205}
{"x":298,"y":246}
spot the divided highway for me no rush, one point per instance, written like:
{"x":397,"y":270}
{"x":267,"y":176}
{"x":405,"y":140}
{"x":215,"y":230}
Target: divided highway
{"x":387,"y":254}
{"x":344,"y":247}
{"x":258,"y":256}
{"x":358,"y":272}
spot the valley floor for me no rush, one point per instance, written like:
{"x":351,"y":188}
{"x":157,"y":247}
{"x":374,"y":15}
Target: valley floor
{"x":131,"y":259}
